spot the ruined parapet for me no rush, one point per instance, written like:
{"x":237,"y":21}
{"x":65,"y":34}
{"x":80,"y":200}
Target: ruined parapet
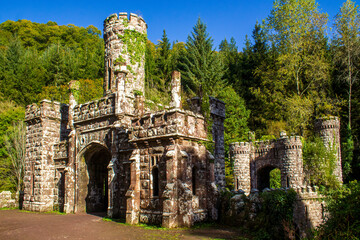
{"x":95,"y":109}
{"x":175,"y":90}
{"x":290,"y":154}
{"x":125,"y":43}
{"x":328,"y":129}
{"x":172,"y":123}
{"x":309,"y":210}
{"x":240,"y":155}
{"x":43,"y":127}
{"x":217,"y":111}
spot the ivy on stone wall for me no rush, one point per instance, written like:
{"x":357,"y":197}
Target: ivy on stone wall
{"x":135,"y":43}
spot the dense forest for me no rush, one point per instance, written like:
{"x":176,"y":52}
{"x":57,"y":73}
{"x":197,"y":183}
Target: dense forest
{"x":294,"y":68}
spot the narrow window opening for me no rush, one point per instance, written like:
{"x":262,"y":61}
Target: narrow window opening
{"x":155,"y":177}
{"x":32,"y":179}
{"x":194,"y":172}
{"x":287,"y":182}
{"x":109,"y":75}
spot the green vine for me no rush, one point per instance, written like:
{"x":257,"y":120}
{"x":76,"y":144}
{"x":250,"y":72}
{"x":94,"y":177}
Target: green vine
{"x":138,"y":93}
{"x":135,"y":43}
{"x":126,"y":22}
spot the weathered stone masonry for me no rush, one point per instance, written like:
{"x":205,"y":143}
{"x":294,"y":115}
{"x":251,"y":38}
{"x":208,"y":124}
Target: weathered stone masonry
{"x":114,"y":155}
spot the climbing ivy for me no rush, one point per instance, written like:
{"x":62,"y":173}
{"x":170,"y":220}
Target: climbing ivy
{"x":135,"y":43}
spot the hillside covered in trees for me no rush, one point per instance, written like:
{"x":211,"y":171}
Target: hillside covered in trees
{"x":294,"y":68}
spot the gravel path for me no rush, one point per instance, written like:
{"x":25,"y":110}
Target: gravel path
{"x":15,"y":224}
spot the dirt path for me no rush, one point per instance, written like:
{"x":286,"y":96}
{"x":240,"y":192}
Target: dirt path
{"x":16,"y":224}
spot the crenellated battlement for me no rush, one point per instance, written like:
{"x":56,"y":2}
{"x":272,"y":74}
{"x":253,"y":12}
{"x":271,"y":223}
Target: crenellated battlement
{"x":174,"y":122}
{"x":132,"y":21}
{"x":327,"y":123}
{"x":46,"y":109}
{"x":239,"y":148}
{"x":95,"y":109}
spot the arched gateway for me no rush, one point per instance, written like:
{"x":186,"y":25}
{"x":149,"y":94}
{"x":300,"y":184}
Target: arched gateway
{"x":92,"y":192}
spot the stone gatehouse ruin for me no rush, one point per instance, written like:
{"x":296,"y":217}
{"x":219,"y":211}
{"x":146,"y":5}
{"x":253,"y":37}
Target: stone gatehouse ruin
{"x":114,"y":155}
{"x":253,"y":161}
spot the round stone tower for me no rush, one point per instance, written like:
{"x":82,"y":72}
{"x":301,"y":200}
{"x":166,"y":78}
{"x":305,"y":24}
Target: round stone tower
{"x":291,"y":161}
{"x":240,"y":154}
{"x":328,"y":129}
{"x":125,"y":44}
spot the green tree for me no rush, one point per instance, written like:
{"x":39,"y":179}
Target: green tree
{"x":347,"y":46}
{"x":297,"y":29}
{"x":15,"y":143}
{"x":163,"y":61}
{"x":343,"y":218}
{"x":9,"y":113}
{"x":230,"y":55}
{"x":201,"y":67}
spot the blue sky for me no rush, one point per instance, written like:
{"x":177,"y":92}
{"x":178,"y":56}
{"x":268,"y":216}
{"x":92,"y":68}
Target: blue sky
{"x":224,"y":18}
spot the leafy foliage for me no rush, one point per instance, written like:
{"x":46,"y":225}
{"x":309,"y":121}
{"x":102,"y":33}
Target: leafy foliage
{"x":343,"y":220}
{"x":274,"y":220}
{"x":9,"y":113}
{"x":202,"y":69}
{"x":34,"y":56}
{"x":275,"y":178}
{"x":319,"y":163}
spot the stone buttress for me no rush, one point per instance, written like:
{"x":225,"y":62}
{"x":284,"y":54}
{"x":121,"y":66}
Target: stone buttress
{"x":43,"y":124}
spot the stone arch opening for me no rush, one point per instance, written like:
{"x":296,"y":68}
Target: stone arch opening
{"x":93,"y":179}
{"x":268,"y":177}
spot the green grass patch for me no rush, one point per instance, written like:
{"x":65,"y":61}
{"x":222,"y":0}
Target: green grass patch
{"x":7,"y":208}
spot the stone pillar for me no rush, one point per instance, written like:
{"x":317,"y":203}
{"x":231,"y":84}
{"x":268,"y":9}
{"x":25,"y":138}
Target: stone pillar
{"x":170,"y":194}
{"x":175,"y":90}
{"x":69,"y":206}
{"x":240,"y":155}
{"x":133,"y":194}
{"x":217,"y":111}
{"x":329,"y":130}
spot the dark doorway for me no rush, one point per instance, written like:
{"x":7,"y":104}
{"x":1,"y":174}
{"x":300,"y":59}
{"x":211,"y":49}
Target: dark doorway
{"x":61,"y":189}
{"x":92,"y":193}
{"x":268,"y":177}
{"x":97,"y":194}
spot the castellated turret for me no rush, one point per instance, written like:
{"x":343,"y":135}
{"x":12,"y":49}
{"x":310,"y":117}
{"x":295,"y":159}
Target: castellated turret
{"x":240,"y":153}
{"x":329,"y":130}
{"x":125,"y":44}
{"x":292,"y":163}
{"x":253,"y":162}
